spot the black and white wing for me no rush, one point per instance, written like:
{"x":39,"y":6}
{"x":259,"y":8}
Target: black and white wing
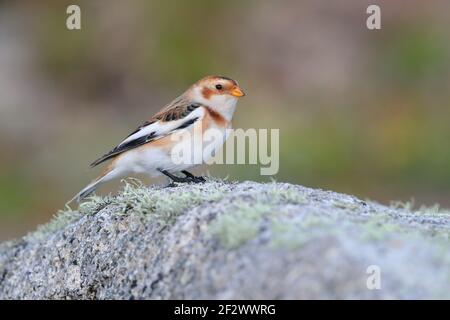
{"x":175,"y":117}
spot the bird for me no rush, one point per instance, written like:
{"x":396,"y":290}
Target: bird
{"x":207,"y":104}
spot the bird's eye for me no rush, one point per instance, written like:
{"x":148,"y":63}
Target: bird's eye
{"x":219,"y":87}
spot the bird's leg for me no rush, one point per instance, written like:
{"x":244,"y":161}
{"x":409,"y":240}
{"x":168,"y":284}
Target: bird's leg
{"x":192,"y":177}
{"x":173,"y":177}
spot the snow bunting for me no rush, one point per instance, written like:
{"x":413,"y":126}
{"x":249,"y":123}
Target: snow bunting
{"x":207,"y":104}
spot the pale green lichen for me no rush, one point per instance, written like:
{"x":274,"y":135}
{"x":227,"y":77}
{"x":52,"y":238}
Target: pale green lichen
{"x":433,"y":210}
{"x":294,"y":234}
{"x":58,"y":222}
{"x":369,"y":229}
{"x":162,"y":204}
{"x":407,"y":206}
{"x":156,"y":204}
{"x":286,"y":195}
{"x":379,"y":227}
{"x":423,"y":210}
{"x":242,"y":219}
{"x":240,"y":224}
{"x":68,"y":215}
{"x":93,"y":204}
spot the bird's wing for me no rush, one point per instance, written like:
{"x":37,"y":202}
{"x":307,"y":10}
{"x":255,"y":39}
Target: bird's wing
{"x":174,"y":117}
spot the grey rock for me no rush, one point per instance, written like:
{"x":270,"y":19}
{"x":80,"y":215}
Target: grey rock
{"x":222,"y":240}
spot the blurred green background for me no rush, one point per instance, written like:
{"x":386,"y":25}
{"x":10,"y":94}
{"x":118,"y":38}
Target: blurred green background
{"x":359,"y":111}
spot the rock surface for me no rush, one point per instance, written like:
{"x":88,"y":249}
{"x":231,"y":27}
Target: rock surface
{"x":222,"y":240}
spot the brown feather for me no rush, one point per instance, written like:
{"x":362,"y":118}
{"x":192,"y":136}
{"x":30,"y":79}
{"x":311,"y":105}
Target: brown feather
{"x":216,"y":117}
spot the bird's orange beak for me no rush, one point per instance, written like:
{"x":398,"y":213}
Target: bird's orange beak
{"x":237,"y":92}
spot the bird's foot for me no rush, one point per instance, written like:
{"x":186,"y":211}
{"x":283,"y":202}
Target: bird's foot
{"x":174,"y":178}
{"x":189,"y":178}
{"x":193,"y":178}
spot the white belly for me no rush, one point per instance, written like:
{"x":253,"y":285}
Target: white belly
{"x":187,"y":150}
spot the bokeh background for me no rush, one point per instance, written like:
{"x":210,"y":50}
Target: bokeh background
{"x":359,"y":111}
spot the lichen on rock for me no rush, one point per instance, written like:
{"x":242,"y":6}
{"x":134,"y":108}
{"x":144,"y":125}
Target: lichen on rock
{"x":221,"y":240}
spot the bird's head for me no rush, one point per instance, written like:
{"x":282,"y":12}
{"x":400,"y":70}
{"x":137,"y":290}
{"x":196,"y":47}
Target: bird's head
{"x":217,"y":92}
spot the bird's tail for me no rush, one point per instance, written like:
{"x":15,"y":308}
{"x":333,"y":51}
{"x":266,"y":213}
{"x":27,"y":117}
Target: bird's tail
{"x":91,"y":187}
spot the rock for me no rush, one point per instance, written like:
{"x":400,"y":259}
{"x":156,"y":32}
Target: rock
{"x":221,"y":240}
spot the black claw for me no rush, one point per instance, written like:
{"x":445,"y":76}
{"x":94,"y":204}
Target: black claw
{"x":193,"y":178}
{"x":199,"y":180}
{"x":189,"y":177}
{"x":171,"y":185}
{"x":173,"y":177}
